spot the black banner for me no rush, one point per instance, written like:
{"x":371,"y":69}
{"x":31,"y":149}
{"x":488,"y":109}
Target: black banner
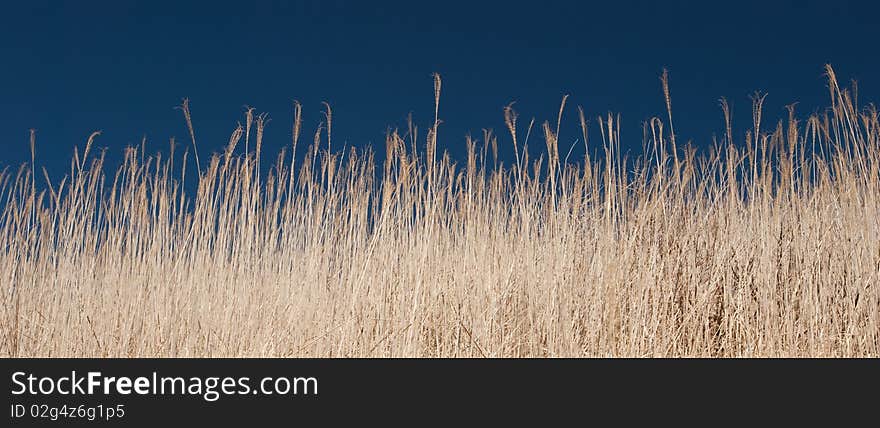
{"x":244,"y":392}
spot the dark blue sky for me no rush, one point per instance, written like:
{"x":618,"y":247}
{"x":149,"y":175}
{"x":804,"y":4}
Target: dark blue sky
{"x":73,"y":67}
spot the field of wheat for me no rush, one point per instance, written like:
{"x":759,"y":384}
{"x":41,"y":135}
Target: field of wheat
{"x":762,"y":246}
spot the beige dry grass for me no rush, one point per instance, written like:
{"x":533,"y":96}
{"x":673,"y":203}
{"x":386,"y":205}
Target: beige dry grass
{"x":767,"y":247}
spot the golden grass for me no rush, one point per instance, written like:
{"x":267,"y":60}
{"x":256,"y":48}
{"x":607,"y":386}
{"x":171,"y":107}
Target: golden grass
{"x":770,"y":247}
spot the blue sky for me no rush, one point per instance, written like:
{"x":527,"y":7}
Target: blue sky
{"x":120,"y":67}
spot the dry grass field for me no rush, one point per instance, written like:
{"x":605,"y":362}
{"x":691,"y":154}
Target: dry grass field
{"x":767,"y":246}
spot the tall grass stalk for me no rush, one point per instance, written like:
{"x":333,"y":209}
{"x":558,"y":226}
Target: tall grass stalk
{"x":770,"y":247}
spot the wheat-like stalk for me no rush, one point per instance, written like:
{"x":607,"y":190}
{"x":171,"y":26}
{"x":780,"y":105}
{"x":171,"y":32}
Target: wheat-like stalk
{"x":767,"y":247}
